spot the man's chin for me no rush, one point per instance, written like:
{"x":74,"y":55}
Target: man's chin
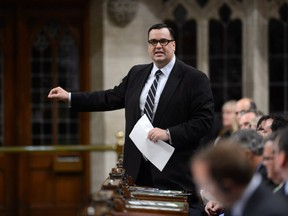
{"x":159,"y":60}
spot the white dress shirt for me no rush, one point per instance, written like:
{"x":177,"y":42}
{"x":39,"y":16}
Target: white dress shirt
{"x":166,"y":70}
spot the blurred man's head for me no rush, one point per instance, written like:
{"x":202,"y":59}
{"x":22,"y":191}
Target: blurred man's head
{"x":223,"y":171}
{"x":247,"y":119}
{"x":268,"y":160}
{"x":243,"y":105}
{"x":229,"y":120}
{"x":251,"y":142}
{"x":249,"y":139}
{"x":271,"y":123}
{"x":281,"y":153}
{"x":264,"y":125}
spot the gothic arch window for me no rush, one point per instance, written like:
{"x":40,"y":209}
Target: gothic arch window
{"x":278,"y":61}
{"x":185,"y":36}
{"x":225,"y":57}
{"x":54,"y":62}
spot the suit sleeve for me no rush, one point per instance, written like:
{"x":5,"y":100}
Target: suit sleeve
{"x":111,"y":99}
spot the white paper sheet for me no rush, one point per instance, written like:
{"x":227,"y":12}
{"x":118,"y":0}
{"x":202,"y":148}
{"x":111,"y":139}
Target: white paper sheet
{"x":157,"y":153}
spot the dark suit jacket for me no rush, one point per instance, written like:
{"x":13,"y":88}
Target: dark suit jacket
{"x":264,"y":203}
{"x":280,"y":191}
{"x":185,"y":108}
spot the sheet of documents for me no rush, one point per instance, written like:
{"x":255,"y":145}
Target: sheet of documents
{"x":157,"y":153}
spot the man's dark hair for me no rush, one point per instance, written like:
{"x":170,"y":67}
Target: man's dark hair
{"x":160,"y":26}
{"x":263,"y":118}
{"x":279,"y":121}
{"x":282,"y":136}
{"x":249,"y":139}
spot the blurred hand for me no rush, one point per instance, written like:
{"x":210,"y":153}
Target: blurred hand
{"x":213,"y":208}
{"x":157,"y":134}
{"x":58,"y":94}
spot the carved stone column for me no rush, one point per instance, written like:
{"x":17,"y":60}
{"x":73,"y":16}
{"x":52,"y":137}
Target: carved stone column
{"x":255,"y":56}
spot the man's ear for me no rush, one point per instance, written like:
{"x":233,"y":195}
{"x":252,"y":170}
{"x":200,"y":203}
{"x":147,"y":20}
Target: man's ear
{"x":283,"y":159}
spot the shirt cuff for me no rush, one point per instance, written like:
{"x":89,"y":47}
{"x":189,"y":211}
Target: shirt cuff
{"x":69,"y":99}
{"x":169,"y":136}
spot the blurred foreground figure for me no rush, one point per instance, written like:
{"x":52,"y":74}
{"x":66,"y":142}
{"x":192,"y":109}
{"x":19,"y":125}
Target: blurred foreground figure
{"x":281,"y":160}
{"x":226,"y":174}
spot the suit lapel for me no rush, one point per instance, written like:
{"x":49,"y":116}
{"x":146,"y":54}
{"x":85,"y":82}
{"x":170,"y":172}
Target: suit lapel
{"x":171,"y":85}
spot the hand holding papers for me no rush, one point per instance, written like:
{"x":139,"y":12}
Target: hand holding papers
{"x":157,"y":153}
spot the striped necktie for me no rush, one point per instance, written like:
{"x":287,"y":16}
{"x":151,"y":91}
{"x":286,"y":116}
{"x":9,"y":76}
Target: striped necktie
{"x":150,"y":100}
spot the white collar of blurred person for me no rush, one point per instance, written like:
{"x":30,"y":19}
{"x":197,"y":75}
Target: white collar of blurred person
{"x":238,"y":206}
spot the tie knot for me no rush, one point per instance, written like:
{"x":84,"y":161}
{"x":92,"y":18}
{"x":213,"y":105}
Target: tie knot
{"x":158,"y":73}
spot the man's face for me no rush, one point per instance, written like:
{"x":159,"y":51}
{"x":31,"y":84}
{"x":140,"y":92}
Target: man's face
{"x":246,"y":119}
{"x":161,"y":55}
{"x":264,"y":128}
{"x":279,"y":157}
{"x":241,"y":107}
{"x":268,"y":162}
{"x":228,"y":116}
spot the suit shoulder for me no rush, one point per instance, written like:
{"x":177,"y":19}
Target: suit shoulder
{"x":264,"y":202}
{"x":140,"y":67}
{"x":190,"y":70}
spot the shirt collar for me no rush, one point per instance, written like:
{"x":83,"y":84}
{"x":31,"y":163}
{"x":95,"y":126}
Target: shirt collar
{"x":166,"y":70}
{"x":286,"y":188}
{"x":238,"y":207}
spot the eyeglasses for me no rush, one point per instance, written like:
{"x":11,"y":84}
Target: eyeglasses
{"x":163,"y":42}
{"x":242,"y":112}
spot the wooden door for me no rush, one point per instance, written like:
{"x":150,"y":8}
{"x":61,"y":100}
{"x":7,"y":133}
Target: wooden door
{"x":42,"y":45}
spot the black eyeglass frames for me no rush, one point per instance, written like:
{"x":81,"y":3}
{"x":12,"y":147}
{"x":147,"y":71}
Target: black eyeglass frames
{"x":163,"y":42}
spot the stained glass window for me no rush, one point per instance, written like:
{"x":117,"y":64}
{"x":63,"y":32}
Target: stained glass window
{"x":278,"y":61}
{"x":185,"y":35}
{"x":225,"y":57}
{"x":54,"y":62}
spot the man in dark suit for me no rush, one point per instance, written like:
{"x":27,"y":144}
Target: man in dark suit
{"x":281,"y":160}
{"x":182,"y":112}
{"x":228,"y":176}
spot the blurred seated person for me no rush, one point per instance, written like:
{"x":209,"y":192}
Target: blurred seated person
{"x":232,"y":182}
{"x":229,"y":121}
{"x":243,"y":105}
{"x":249,"y":119}
{"x":281,"y":160}
{"x":271,"y":123}
{"x":251,"y":142}
{"x":268,"y":161}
